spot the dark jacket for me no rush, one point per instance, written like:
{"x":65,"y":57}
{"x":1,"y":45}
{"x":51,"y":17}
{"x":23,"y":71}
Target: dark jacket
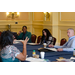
{"x":28,"y":34}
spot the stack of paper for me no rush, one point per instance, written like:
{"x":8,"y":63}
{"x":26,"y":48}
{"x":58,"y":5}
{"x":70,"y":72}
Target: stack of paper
{"x":31,"y":59}
{"x":53,"y":49}
{"x":65,"y":60}
{"x":33,"y":43}
{"x":17,"y":41}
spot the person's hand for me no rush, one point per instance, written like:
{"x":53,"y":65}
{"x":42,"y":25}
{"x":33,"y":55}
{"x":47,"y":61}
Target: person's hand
{"x":15,"y":39}
{"x":13,"y":36}
{"x":25,"y":41}
{"x":50,"y":45}
{"x":59,"y":49}
{"x":19,"y":33}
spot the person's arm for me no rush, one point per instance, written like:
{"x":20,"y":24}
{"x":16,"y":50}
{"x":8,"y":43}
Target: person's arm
{"x":22,"y":56}
{"x":65,"y":49}
{"x":68,"y":49}
{"x":54,"y":46}
{"x":19,"y":36}
{"x":58,"y":46}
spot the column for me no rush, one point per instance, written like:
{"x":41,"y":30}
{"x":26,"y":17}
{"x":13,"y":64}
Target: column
{"x":55,"y":25}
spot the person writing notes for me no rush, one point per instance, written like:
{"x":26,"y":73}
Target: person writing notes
{"x":68,"y":46}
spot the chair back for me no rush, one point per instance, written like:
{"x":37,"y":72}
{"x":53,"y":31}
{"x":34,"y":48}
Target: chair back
{"x":54,"y":40}
{"x":63,"y":41}
{"x":39,"y":39}
{"x":33,"y":38}
{"x":0,"y":33}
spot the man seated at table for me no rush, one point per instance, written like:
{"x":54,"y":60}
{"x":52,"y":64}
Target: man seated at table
{"x":24,"y":34}
{"x":68,"y":46}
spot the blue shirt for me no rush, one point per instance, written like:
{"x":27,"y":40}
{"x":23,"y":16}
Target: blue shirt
{"x":68,"y":46}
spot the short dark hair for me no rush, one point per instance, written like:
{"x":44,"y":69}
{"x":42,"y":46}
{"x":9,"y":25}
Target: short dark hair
{"x":24,"y":26}
{"x":6,"y":38}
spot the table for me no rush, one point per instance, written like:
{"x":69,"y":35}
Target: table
{"x":52,"y":56}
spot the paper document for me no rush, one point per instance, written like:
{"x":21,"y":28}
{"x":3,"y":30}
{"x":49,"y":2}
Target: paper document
{"x":18,"y":40}
{"x":65,"y":60}
{"x":33,"y":43}
{"x":31,"y":59}
{"x":53,"y":49}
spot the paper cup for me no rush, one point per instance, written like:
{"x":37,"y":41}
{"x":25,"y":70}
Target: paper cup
{"x":42,"y":55}
{"x":44,"y":44}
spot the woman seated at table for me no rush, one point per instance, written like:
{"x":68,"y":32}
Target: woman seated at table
{"x":24,"y":34}
{"x":46,"y":37}
{"x":9,"y":52}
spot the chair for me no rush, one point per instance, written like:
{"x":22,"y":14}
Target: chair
{"x":33,"y":38}
{"x":63,"y":41}
{"x":39,"y":39}
{"x":0,"y":33}
{"x":54,"y":40}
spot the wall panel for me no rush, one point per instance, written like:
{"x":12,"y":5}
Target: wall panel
{"x":24,"y":16}
{"x":3,"y":16}
{"x":67,"y":16}
{"x":38,"y":16}
{"x":37,"y":29}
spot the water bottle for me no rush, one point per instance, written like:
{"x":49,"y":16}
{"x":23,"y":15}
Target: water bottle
{"x":34,"y":53}
{"x":74,"y":52}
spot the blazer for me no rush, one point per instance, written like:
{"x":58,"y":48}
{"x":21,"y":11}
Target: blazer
{"x":28,"y":34}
